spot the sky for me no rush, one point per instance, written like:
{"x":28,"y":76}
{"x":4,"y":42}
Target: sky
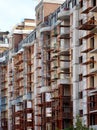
{"x":13,"y":12}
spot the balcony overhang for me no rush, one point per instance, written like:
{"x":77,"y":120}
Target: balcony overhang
{"x":88,"y":62}
{"x":45,"y":89}
{"x":94,"y":91}
{"x":64,"y":52}
{"x":87,"y":9}
{"x":64,"y":15}
{"x":88,"y":36}
{"x":88,"y":75}
{"x":94,"y":30}
{"x":64,"y":36}
{"x":94,"y":51}
{"x":94,"y":71}
{"x":86,"y":50}
{"x":94,"y":9}
{"x":45,"y":29}
{"x":87,"y":26}
{"x":64,"y":81}
{"x":26,"y":45}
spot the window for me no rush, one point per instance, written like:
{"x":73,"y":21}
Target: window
{"x":81,"y":112}
{"x":92,"y":81}
{"x":92,"y":43}
{"x":80,"y":95}
{"x":80,"y":22}
{"x":80,"y":59}
{"x":81,"y":3}
{"x":92,"y":62}
{"x":94,"y":2}
{"x":80,"y":42}
{"x":92,"y":20}
{"x":92,"y":119}
{"x":80,"y":77}
{"x":92,"y":102}
{"x":73,"y":3}
{"x":38,"y":16}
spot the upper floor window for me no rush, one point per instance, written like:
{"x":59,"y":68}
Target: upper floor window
{"x":92,"y":43}
{"x":81,"y":3}
{"x":80,"y":59}
{"x":80,"y":77}
{"x":92,"y":62}
{"x":94,"y":2}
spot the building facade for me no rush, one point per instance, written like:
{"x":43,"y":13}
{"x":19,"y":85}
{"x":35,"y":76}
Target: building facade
{"x":51,"y":73}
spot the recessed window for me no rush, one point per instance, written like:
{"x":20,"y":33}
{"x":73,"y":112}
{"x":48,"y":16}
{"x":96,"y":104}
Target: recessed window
{"x":80,"y":59}
{"x":81,"y":3}
{"x":92,"y":43}
{"x":92,"y":119}
{"x":92,"y":81}
{"x":80,"y":42}
{"x":81,"y":112}
{"x":80,"y":77}
{"x":92,"y":62}
{"x":92,"y":102}
{"x":94,"y":2}
{"x":80,"y":95}
{"x":80,"y":22}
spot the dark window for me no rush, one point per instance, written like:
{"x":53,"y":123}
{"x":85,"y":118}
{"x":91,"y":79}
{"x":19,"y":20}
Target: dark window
{"x":93,"y":20}
{"x":80,"y":59}
{"x":81,"y":3}
{"x":94,"y":2}
{"x":81,"y":112}
{"x":1,"y":38}
{"x":80,"y":22}
{"x":92,"y":43}
{"x":92,"y":81}
{"x":80,"y":95}
{"x":80,"y":77}
{"x":80,"y":42}
{"x":92,"y":62}
{"x":92,"y":102}
{"x":73,"y":3}
{"x":92,"y":119}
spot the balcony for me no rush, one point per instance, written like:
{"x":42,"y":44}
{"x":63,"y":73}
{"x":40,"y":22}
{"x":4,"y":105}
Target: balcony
{"x":54,"y":65}
{"x":27,"y":96}
{"x":64,"y":14}
{"x":64,"y":71}
{"x":94,"y":51}
{"x":45,"y":27}
{"x":4,"y":108}
{"x":86,"y":49}
{"x":45,"y":89}
{"x":64,"y":65}
{"x":88,"y":35}
{"x":64,"y":81}
{"x":88,"y":24}
{"x":19,"y":99}
{"x":54,"y":77}
{"x":93,"y":71}
{"x":64,"y":33}
{"x":94,"y":30}
{"x":88,"y":5}
{"x":94,"y":9}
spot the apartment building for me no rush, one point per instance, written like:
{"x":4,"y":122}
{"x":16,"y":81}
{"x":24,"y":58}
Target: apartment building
{"x":3,"y":80}
{"x":51,"y":73}
{"x":8,"y":44}
{"x":3,"y":41}
{"x":87,"y":59}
